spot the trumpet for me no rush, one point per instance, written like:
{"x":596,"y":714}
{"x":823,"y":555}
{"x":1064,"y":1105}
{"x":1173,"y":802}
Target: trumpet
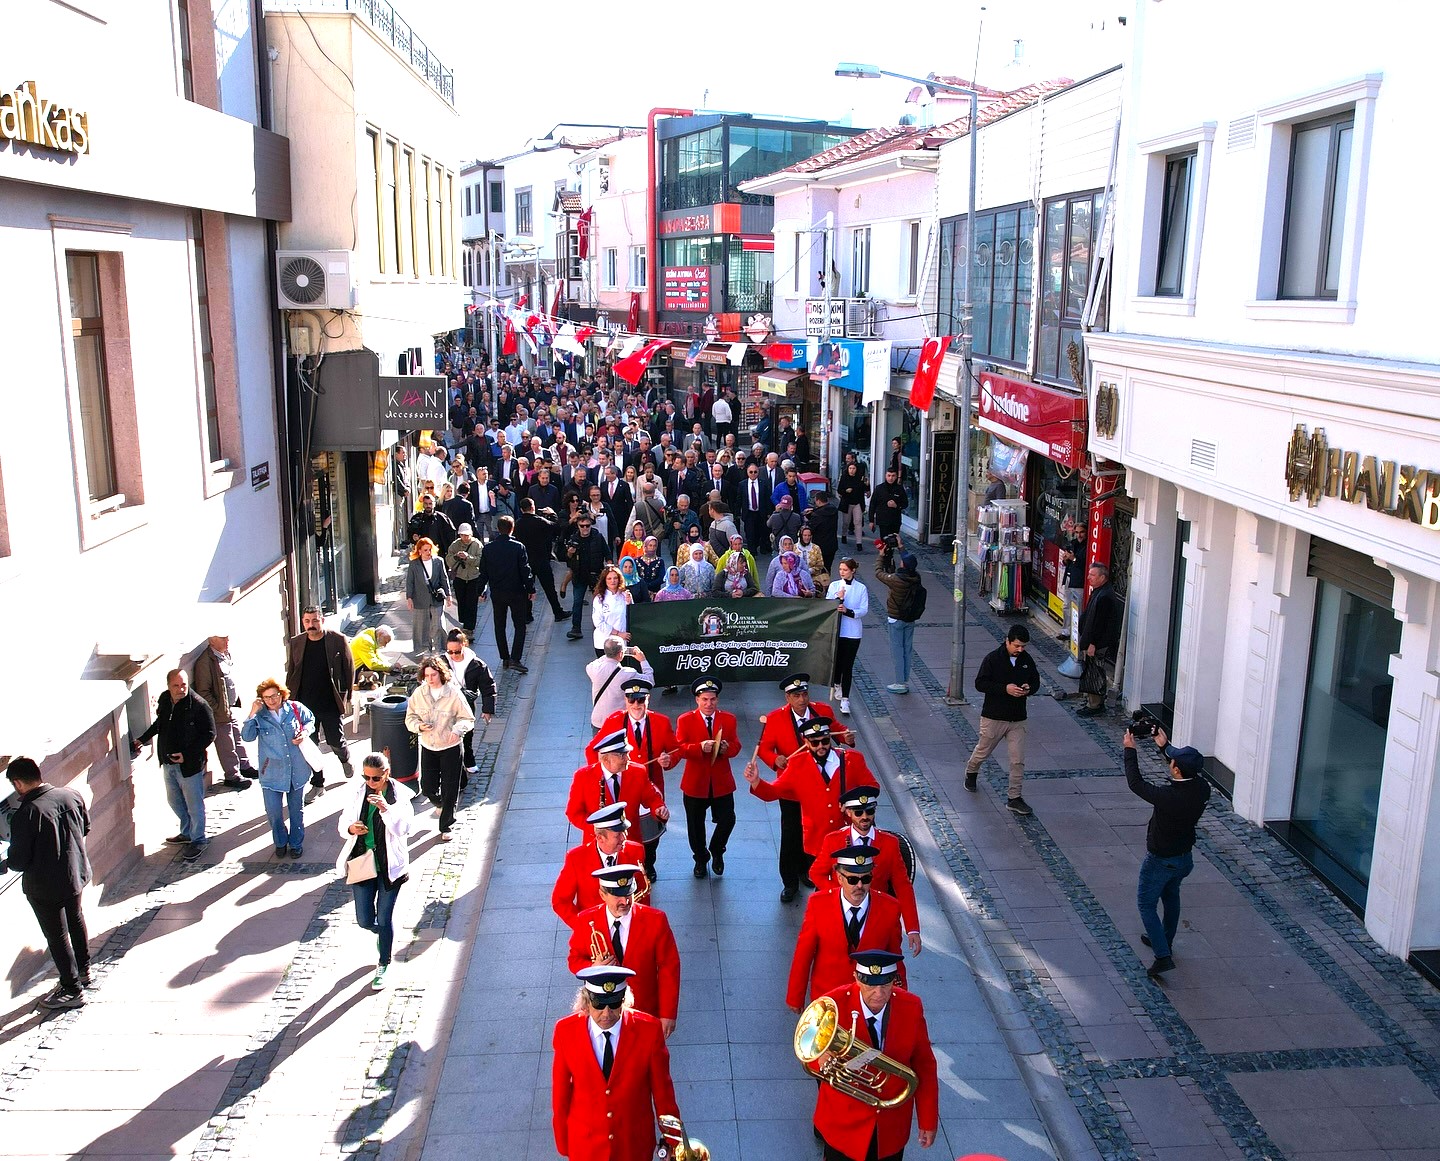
{"x":676,"y":1144}
{"x":837,"y":1056}
{"x":599,"y":949}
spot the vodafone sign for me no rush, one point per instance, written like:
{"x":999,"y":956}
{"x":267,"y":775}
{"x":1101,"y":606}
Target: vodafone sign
{"x":1043,"y":419}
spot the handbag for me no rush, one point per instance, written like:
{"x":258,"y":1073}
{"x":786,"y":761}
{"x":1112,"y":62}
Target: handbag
{"x":1092,"y":677}
{"x":361,"y":868}
{"x":307,"y":747}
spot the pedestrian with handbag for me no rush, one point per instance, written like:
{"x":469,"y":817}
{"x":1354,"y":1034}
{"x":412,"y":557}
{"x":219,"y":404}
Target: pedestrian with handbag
{"x":1099,"y":639}
{"x":375,"y":826}
{"x":427,"y":589}
{"x":438,"y":715}
{"x":288,"y":756}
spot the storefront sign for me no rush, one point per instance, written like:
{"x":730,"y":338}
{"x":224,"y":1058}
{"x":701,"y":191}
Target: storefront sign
{"x":685,"y":288}
{"x":413,"y":402}
{"x":723,"y":218}
{"x":776,"y":383}
{"x":686,"y":224}
{"x":1040,"y":418}
{"x":731,"y":640}
{"x":1107,"y":410}
{"x":815,"y":317}
{"x":27,"y":116}
{"x":1314,"y":469}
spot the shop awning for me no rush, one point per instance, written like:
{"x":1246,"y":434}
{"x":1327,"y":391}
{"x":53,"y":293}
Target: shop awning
{"x":1043,"y":419}
{"x":777,"y":382}
{"x":709,"y":353}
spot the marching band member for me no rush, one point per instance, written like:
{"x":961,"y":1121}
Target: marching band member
{"x":859,"y":804}
{"x":611,"y":1076}
{"x":706,"y":737}
{"x":892,"y":1020}
{"x":652,"y":743}
{"x":612,"y":777}
{"x":840,"y":921}
{"x":576,"y":888}
{"x":621,"y":931}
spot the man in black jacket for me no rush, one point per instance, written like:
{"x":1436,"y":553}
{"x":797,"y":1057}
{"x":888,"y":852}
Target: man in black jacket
{"x":536,"y":531}
{"x":1007,"y":677}
{"x":433,"y":524}
{"x":887,"y":504}
{"x":1099,"y":631}
{"x":47,"y":846}
{"x":586,"y":552}
{"x":1169,"y":841}
{"x":186,"y":728}
{"x":505,"y":571}
{"x":320,"y":674}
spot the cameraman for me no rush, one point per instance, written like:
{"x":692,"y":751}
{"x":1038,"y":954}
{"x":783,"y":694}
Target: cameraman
{"x":1169,"y":840}
{"x":586,"y":553}
{"x":902,"y":607}
{"x":608,"y":674}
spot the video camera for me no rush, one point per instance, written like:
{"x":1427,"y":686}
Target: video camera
{"x":890,"y":543}
{"x":1144,"y":725}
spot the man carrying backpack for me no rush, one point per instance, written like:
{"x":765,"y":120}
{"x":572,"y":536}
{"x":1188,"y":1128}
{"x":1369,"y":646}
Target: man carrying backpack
{"x":904,"y":606}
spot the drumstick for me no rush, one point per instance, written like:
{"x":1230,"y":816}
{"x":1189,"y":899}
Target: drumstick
{"x":755,"y":753}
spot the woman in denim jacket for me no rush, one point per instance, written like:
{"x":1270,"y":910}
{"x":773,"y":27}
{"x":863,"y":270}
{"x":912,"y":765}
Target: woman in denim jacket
{"x":281,"y":725}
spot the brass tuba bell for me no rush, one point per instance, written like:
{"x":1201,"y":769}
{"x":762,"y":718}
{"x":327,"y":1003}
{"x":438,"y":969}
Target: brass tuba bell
{"x":838,"y":1057}
{"x":676,"y":1144}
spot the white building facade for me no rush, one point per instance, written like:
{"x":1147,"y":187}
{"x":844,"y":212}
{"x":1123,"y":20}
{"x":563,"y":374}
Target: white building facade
{"x":141,"y":476}
{"x":1271,"y":385}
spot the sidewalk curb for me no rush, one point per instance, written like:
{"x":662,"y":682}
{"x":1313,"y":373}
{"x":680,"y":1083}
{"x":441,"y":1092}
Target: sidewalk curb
{"x":1044,"y":1084}
{"x":415,"y":1094}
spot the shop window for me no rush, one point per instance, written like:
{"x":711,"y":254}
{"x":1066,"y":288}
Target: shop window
{"x":1071,"y":225}
{"x":1002,"y":281}
{"x":1315,"y":207}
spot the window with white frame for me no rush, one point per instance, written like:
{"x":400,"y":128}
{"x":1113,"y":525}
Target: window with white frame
{"x":523,"y":217}
{"x":497,"y":197}
{"x":611,"y":268}
{"x":1314,"y":204}
{"x":1174,"y":224}
{"x":639,"y":271}
{"x":795,"y":269}
{"x":911,"y":277}
{"x":860,"y":261}
{"x":1177,"y":178}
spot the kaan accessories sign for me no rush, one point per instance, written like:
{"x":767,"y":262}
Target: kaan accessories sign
{"x":27,"y":116}
{"x":1314,"y":470}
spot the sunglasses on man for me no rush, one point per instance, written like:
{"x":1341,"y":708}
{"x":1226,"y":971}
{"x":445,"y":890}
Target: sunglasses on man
{"x":855,"y":880}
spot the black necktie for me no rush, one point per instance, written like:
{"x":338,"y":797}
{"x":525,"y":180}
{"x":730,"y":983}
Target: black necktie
{"x":710,"y":726}
{"x":639,"y":736}
{"x":874,"y":1032}
{"x":609,"y":860}
{"x":852,"y":929}
{"x":615,"y":787}
{"x":615,"y":943}
{"x":608,"y":1062}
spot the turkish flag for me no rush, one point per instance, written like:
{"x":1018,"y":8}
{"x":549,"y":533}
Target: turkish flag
{"x":922,"y":390}
{"x":522,"y":301}
{"x":582,"y":229}
{"x":779,"y":352}
{"x":632,"y":323}
{"x":509,"y":347}
{"x":583,"y":334}
{"x":631,"y":367}
{"x":555,"y":303}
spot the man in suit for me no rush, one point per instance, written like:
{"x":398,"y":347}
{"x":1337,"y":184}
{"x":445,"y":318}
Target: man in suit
{"x":610,"y":1078}
{"x":613,"y":777}
{"x":1099,"y":630}
{"x":814,"y":779}
{"x":893,"y":1021}
{"x":846,"y":919}
{"x":634,"y":936}
{"x":652,"y":743}
{"x":320,"y":675}
{"x":615,"y":494}
{"x":505,"y":572}
{"x":753,"y":498}
{"x":706,"y":737}
{"x":858,"y":804}
{"x":576,"y":888}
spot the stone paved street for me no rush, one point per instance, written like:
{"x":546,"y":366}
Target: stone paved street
{"x":233,"y":1016}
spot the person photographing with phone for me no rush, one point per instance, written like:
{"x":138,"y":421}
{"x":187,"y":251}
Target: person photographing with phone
{"x":1007,"y":677}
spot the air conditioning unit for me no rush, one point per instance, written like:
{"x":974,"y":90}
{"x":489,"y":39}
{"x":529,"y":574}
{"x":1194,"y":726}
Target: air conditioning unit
{"x":313,"y":279}
{"x":861,"y":318}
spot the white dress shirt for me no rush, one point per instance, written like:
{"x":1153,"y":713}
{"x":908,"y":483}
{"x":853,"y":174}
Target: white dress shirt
{"x":597,"y":1041}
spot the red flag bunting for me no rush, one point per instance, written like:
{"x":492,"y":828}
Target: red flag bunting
{"x":631,"y":367}
{"x":632,"y":323}
{"x":583,"y":334}
{"x":583,"y":226}
{"x":509,"y":347}
{"x":922,"y":390}
{"x":779,"y":352}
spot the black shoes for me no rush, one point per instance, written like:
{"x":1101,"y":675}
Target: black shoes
{"x":718,"y":862}
{"x":970,"y":783}
{"x":1019,"y":806}
{"x":573,"y":636}
{"x":805,"y":882}
{"x":236,"y":781}
{"x":192,"y":852}
{"x":59,"y":999}
{"x":1162,"y":965}
{"x":788,"y":895}
{"x":1086,"y":711}
{"x":519,"y":667}
{"x":177,"y":840}
{"x":561,"y":615}
{"x":281,"y":852}
{"x":701,"y":872}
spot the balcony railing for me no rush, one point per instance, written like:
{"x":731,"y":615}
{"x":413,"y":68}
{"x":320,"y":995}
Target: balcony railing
{"x":382,"y":17}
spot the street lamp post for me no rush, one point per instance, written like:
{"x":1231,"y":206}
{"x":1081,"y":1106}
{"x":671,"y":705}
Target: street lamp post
{"x":955,"y":692}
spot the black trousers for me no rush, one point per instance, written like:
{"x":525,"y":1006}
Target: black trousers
{"x":518,"y":607}
{"x":63,"y":925}
{"x":545,"y":577}
{"x":328,"y":724}
{"x":871,"y":1154}
{"x":794,"y":862}
{"x":757,"y":536}
{"x":722,"y":813}
{"x":846,"y":650}
{"x":440,"y":781}
{"x":467,"y":601}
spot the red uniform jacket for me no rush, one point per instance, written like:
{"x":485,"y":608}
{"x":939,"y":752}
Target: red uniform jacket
{"x":890,"y":875}
{"x":779,"y":738}
{"x":706,"y":776}
{"x":659,"y":738}
{"x":651,"y":954}
{"x":822,"y":956}
{"x":590,"y":790}
{"x":614,"y":1120}
{"x":576,"y":888}
{"x":802,"y":782}
{"x":849,"y":1125}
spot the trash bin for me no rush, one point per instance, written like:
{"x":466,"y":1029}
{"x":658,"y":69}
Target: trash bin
{"x":389,"y":735}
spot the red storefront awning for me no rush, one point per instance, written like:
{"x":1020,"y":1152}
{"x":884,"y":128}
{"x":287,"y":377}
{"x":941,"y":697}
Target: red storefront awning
{"x":1043,"y":419}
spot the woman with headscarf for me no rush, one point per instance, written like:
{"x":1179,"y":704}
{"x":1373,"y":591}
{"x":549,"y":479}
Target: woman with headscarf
{"x":630,"y":575}
{"x":814,"y":559}
{"x":635,"y":546}
{"x":734,"y":580}
{"x":785,"y":545}
{"x":697,"y":574}
{"x":693,"y":537}
{"x":650,"y":567}
{"x":788,"y":581}
{"x":672,"y":589}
